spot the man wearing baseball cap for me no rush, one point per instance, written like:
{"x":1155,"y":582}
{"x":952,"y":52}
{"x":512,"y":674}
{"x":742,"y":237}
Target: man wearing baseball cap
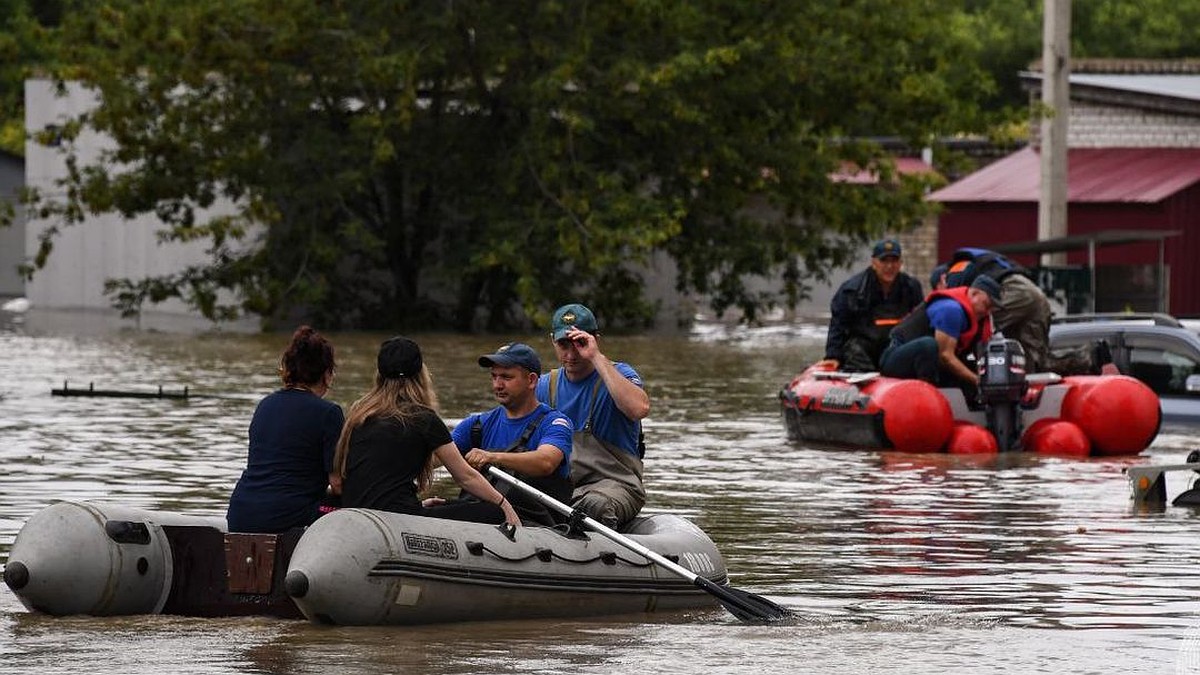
{"x":866,"y":307}
{"x":932,"y":342}
{"x":605,"y":402}
{"x":1024,"y":313}
{"x":521,"y":436}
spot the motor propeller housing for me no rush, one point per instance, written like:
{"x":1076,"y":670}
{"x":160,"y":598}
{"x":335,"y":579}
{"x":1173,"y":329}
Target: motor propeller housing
{"x":1002,"y":386}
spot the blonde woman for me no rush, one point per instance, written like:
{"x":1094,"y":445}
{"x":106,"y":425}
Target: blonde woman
{"x":393,"y":434}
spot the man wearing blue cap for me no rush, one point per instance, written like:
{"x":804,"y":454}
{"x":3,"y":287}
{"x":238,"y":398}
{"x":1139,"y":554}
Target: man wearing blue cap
{"x":866,"y":307}
{"x":932,"y":342}
{"x":521,"y":435}
{"x":606,"y":404}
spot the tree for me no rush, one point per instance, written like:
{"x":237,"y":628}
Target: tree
{"x":1149,"y":29}
{"x":431,"y":162}
{"x":25,"y":42}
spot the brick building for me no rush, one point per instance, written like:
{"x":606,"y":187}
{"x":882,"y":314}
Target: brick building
{"x":1133,"y":165}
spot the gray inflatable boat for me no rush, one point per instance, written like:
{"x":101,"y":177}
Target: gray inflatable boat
{"x":109,"y":559}
{"x":362,"y":567}
{"x":353,"y":566}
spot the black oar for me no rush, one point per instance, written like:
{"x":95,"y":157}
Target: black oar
{"x":745,"y":606}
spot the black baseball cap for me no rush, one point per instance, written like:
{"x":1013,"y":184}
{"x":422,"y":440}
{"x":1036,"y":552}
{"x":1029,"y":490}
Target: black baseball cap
{"x":399,"y":357}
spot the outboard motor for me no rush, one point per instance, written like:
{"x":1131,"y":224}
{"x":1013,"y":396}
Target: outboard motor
{"x":1002,"y":385}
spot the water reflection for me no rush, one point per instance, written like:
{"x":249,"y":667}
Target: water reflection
{"x":954,"y":560}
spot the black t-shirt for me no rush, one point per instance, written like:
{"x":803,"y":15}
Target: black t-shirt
{"x":385,"y":457}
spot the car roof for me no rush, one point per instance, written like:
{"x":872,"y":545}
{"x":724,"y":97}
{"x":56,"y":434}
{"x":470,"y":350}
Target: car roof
{"x":1133,"y":324}
{"x":1135,"y":318}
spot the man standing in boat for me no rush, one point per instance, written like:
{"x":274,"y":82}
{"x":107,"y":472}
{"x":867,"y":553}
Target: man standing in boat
{"x":866,"y":307}
{"x":606,"y":404}
{"x":521,"y":435}
{"x":932,"y":342}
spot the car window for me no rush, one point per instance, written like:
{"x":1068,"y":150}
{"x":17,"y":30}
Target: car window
{"x":1164,"y":370}
{"x":1062,"y":339}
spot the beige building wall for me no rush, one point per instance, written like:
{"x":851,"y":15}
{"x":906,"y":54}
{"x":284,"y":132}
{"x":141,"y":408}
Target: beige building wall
{"x":105,"y":246}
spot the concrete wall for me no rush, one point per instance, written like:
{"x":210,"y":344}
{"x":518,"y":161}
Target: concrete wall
{"x":106,"y":246}
{"x":12,"y":239}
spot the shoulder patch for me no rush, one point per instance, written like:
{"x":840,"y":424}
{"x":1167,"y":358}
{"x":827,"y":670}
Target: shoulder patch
{"x":561,"y":421}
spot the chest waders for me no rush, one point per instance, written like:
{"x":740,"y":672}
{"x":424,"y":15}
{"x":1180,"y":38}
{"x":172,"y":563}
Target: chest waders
{"x":608,"y":480}
{"x":530,"y":510}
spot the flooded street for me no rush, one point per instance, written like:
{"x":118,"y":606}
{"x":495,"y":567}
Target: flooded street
{"x":894,"y":563}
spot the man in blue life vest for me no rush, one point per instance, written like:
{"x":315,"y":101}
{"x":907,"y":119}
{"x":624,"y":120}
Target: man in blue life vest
{"x":521,"y":436}
{"x":866,"y":307}
{"x":932,"y":342}
{"x":1023,"y":314}
{"x":606,"y":404}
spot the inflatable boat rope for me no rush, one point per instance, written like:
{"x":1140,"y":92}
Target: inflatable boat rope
{"x":547,"y":554}
{"x":742,"y":604}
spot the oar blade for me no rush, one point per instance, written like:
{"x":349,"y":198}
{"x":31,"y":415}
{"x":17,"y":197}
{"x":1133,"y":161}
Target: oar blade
{"x":744,"y":605}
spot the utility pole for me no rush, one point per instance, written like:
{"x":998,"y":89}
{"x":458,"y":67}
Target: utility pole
{"x":1056,"y":107}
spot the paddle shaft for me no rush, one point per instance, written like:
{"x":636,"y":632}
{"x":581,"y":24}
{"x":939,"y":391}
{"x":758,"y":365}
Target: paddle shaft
{"x":743,"y":605}
{"x":597,"y":526}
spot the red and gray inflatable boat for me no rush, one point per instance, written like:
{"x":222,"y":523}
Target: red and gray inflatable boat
{"x":1077,"y":416}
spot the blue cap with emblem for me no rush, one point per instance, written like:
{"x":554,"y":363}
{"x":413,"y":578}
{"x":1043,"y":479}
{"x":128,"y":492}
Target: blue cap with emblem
{"x":513,"y":354}
{"x":571,"y":316}
{"x":887,"y":248}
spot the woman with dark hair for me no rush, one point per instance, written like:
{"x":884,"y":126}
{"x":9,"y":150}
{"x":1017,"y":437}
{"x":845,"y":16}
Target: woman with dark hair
{"x":393,"y":436}
{"x":292,"y":438}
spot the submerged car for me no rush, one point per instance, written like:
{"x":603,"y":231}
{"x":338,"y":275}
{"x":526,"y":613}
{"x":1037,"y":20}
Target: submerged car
{"x":1155,"y":348}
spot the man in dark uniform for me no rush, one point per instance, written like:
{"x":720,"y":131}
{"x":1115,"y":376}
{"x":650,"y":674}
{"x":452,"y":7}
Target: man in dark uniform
{"x":866,"y":307}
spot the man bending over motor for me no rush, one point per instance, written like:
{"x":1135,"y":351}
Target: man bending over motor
{"x":932,"y":342}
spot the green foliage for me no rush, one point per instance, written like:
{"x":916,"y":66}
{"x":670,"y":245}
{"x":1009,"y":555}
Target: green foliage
{"x":477,"y":163}
{"x":398,"y":164}
{"x":17,"y":46}
{"x":1144,"y":29}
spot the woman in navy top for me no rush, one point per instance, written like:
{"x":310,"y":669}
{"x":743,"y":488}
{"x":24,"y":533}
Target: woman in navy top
{"x":292,"y":439}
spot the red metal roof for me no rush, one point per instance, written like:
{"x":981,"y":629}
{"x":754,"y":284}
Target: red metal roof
{"x":1137,"y":175}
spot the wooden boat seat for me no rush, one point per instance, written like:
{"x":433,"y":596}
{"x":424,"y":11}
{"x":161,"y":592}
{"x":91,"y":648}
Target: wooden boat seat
{"x":250,"y":562}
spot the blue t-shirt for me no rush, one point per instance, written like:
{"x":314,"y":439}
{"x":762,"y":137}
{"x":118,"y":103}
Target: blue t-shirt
{"x":500,"y":432}
{"x":293,"y":435}
{"x":947,"y":316}
{"x":575,"y":399}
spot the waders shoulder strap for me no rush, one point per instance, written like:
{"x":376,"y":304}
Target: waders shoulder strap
{"x":522,"y":443}
{"x":477,"y":432}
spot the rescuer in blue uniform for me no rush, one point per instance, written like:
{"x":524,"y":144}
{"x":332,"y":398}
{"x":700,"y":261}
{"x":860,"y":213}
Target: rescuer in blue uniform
{"x":521,"y":435}
{"x":933,"y":341}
